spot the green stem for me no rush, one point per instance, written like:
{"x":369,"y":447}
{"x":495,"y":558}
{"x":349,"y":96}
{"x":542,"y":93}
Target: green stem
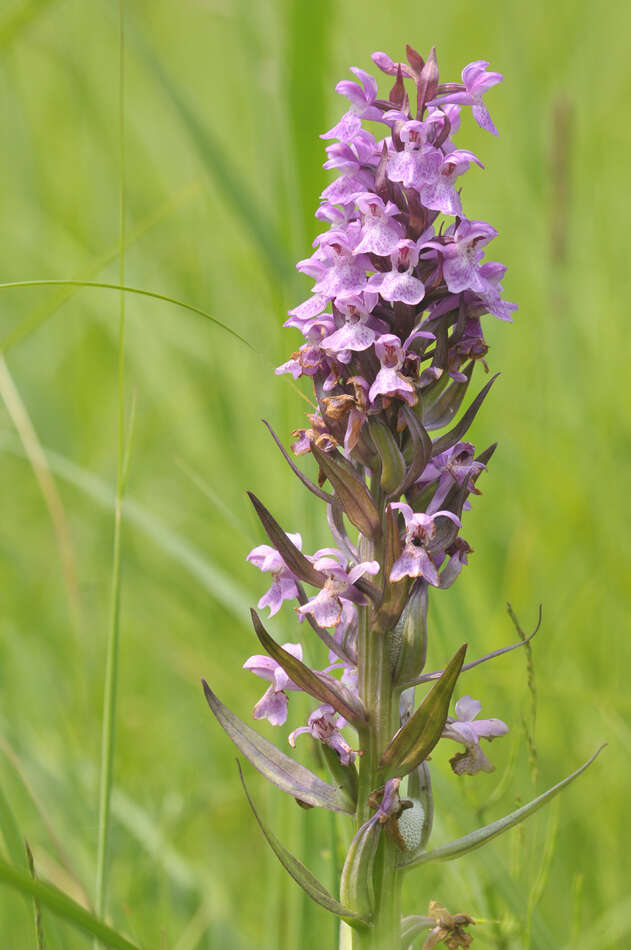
{"x":377,"y":694}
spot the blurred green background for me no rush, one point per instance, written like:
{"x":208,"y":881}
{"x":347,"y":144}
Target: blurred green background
{"x":224,"y":102}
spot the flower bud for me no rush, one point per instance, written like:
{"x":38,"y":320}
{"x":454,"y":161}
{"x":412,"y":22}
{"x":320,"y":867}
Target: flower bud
{"x":411,"y":635}
{"x":392,"y":462}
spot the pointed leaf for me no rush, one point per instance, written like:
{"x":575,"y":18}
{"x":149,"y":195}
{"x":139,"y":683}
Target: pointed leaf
{"x":421,"y":447}
{"x":63,"y":907}
{"x":486,"y":456}
{"x":319,"y":685}
{"x":394,"y":595}
{"x":427,"y":677}
{"x":428,"y":82}
{"x":351,"y":490}
{"x":295,"y":560}
{"x":415,"y":740}
{"x":476,"y":839}
{"x":315,"y":489}
{"x":301,"y":875}
{"x":440,"y":412}
{"x":415,"y":59}
{"x":278,"y":768}
{"x":450,"y":438}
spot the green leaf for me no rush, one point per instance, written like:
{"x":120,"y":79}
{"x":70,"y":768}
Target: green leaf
{"x":416,"y":739}
{"x":15,"y":843}
{"x":394,"y":594}
{"x":454,"y":435}
{"x":441,"y":411}
{"x":11,"y":833}
{"x":293,"y":558}
{"x":421,"y":448}
{"x":319,"y":685}
{"x":301,"y":875}
{"x":278,"y":768}
{"x":63,"y":906}
{"x":351,"y":490}
{"x":476,"y":839}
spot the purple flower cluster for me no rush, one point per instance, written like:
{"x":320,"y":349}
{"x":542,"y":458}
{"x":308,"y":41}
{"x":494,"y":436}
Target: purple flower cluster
{"x":400,"y":264}
{"x":392,"y":325}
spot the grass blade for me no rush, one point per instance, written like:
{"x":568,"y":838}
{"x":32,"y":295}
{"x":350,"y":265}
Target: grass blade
{"x":111,"y":664}
{"x":127,"y":290}
{"x":63,"y":906}
{"x":33,"y":449}
{"x":243,"y":203}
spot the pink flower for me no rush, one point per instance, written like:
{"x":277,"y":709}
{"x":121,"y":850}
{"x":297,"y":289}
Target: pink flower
{"x":324,"y":724}
{"x":420,"y":529}
{"x":477,"y":80}
{"x":362,"y":106}
{"x":327,"y":605}
{"x":273,"y":704}
{"x":267,"y":559}
{"x":465,"y":729}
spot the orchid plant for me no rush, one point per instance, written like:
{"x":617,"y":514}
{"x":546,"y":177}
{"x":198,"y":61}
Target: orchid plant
{"x":392,"y":334}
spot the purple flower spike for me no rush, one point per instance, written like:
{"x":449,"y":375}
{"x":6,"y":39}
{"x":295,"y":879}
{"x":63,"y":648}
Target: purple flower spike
{"x":283,"y":587}
{"x":477,"y":81}
{"x":273,"y":704}
{"x":324,"y":724}
{"x":420,"y":530}
{"x":465,"y":729}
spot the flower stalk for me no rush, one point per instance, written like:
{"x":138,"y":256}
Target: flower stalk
{"x":392,"y":338}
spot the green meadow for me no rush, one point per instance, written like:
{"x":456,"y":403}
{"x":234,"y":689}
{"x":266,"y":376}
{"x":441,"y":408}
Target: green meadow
{"x":220,"y":167}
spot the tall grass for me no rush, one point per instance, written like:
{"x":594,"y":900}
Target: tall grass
{"x":224,"y":100}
